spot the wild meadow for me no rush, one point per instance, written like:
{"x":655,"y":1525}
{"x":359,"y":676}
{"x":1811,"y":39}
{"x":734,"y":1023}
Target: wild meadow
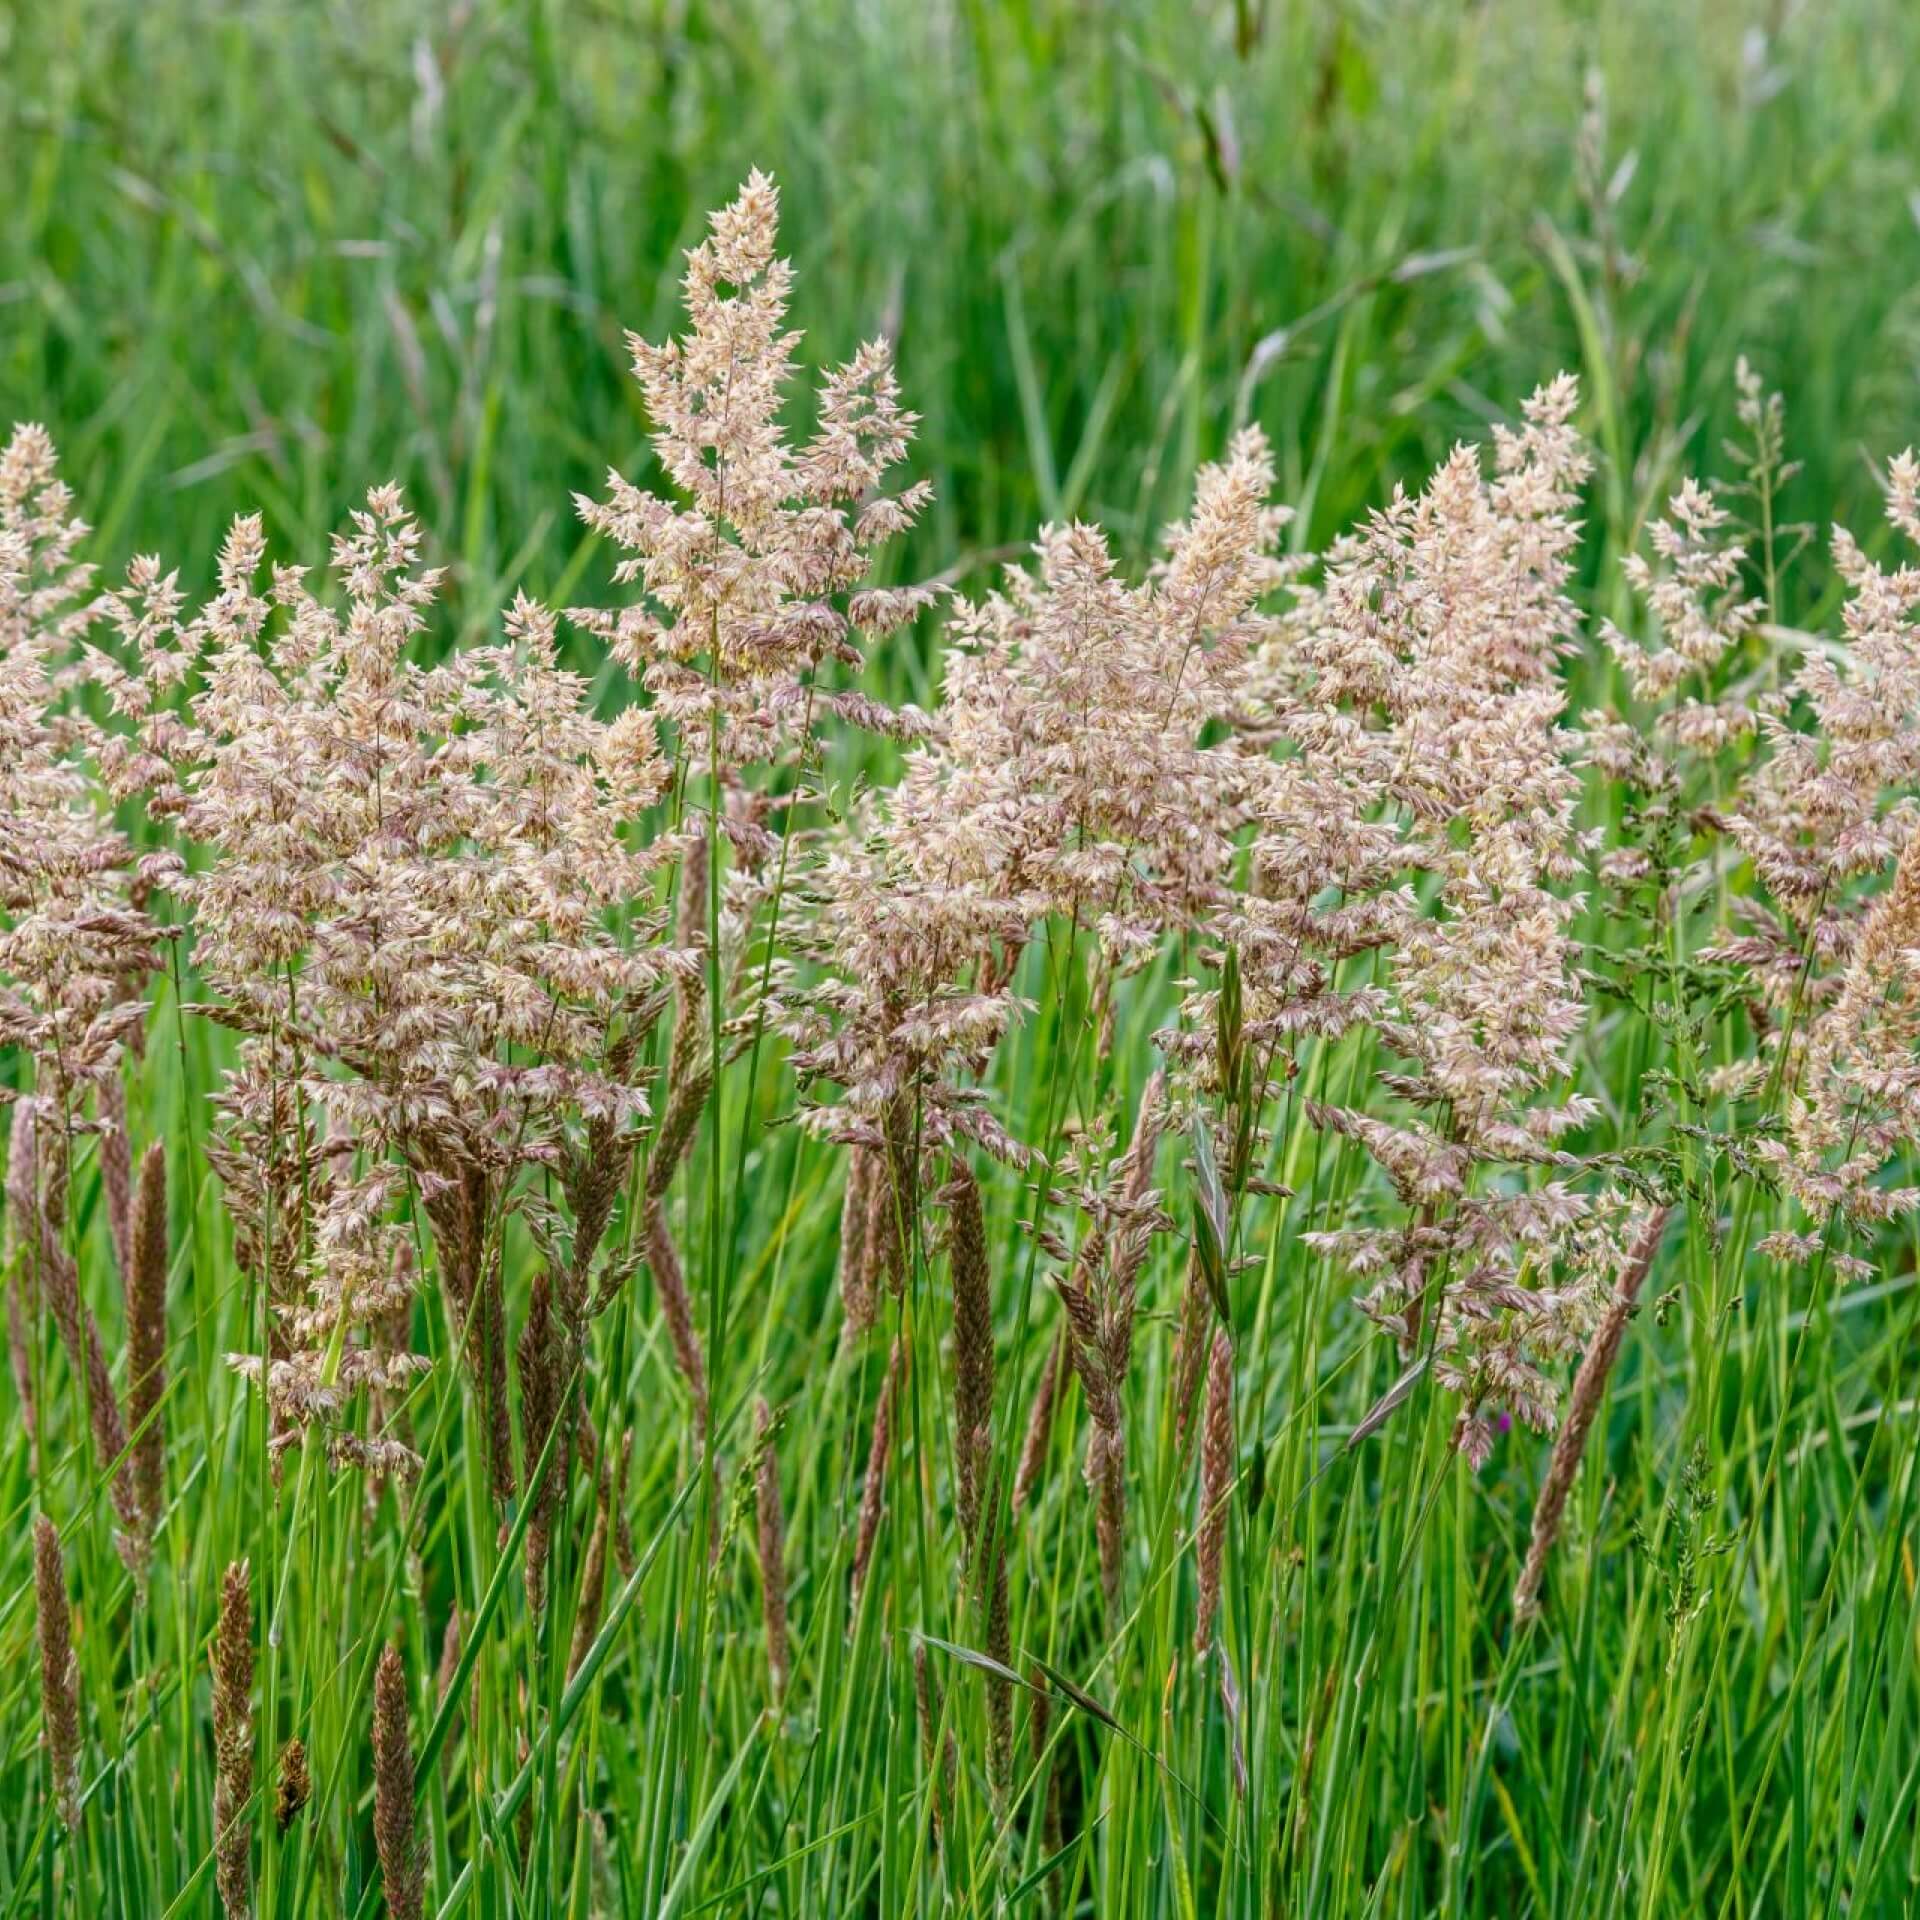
{"x":959,"y":960}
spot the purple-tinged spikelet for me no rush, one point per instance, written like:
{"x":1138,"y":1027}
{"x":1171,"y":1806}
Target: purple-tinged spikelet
{"x":1589,"y":1391}
{"x":874,"y":1487}
{"x":233,"y":1741}
{"x":972,"y":1347}
{"x":1216,"y":1482}
{"x":59,"y":1671}
{"x":772,"y":1532}
{"x":401,"y":1878}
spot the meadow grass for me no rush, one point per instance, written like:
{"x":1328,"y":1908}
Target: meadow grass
{"x":261,"y":257}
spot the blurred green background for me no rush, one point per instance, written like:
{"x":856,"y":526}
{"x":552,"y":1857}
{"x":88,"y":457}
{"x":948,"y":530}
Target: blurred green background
{"x":265,"y":254}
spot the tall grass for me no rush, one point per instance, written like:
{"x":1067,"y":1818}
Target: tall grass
{"x":257,"y":252}
{"x":262,"y":258}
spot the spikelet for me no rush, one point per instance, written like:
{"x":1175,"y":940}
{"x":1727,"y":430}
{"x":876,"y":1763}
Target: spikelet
{"x":540,"y":1391}
{"x":80,"y":1334}
{"x":116,"y":1168}
{"x":59,"y":1672}
{"x":693,"y":924}
{"x":874,"y":1485}
{"x":20,"y":1364}
{"x":1190,"y":1352}
{"x":678,"y":1126}
{"x":233,"y":1741}
{"x":1216,"y":1484}
{"x":593,"y":1573}
{"x":1039,"y":1433}
{"x":972,"y":1346}
{"x":670,"y":1283}
{"x":1107,"y":1476}
{"x":772,"y":1530}
{"x":624,"y":1556}
{"x":1099,"y":1295}
{"x":19,"y":1262}
{"x":881,"y":1262}
{"x":927,"y":1712}
{"x":593,"y":1173}
{"x":401,"y":1878}
{"x":490,"y":1312}
{"x":1106,"y":1444}
{"x":443,"y":1678}
{"x":856,"y":1279}
{"x":1589,"y":1391}
{"x":294,"y":1787}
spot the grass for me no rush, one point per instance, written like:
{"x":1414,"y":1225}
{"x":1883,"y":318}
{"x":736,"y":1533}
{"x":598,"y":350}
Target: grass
{"x":264,"y":255}
{"x":261,"y":259}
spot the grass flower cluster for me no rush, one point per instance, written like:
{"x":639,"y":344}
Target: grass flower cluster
{"x":796,"y":1302}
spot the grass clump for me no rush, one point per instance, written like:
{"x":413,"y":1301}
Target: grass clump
{"x":944,"y":1292}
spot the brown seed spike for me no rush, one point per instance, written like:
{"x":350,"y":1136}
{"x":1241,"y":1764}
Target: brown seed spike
{"x":443,"y":1679}
{"x":80,"y":1333}
{"x":295,"y":1786}
{"x":593,"y":1586}
{"x":856,"y":1293}
{"x":927,"y":1712}
{"x":400,"y":1868}
{"x":772,"y":1530}
{"x":670,"y":1283}
{"x":493,"y":1381}
{"x":972,"y":1346}
{"x":59,"y":1672}
{"x":19,"y":1264}
{"x":116,"y":1169}
{"x":873,"y":1490}
{"x":1216,"y":1483}
{"x":1190,"y":1353}
{"x":233,"y":1741}
{"x":678,"y":1126}
{"x":540,"y":1389}
{"x":1039,"y":1435}
{"x":1589,"y":1390}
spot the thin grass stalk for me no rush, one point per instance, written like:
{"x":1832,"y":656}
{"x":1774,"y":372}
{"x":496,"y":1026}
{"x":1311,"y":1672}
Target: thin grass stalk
{"x":146,"y":1312}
